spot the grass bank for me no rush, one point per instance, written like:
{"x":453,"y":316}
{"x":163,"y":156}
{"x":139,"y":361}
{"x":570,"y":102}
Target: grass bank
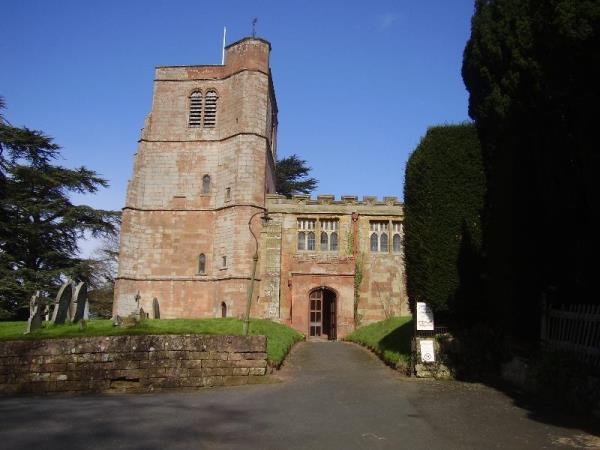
{"x":389,"y":339}
{"x":279,"y":337}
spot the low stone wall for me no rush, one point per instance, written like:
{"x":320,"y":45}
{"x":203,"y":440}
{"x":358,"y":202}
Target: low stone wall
{"x":136,"y":363}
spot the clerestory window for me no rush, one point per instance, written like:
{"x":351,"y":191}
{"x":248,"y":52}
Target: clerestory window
{"x":329,"y":236}
{"x":306,"y":234}
{"x":378,"y":236}
{"x":397,"y":237}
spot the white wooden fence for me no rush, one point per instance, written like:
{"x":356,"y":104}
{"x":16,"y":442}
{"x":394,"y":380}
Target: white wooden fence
{"x":575,"y":329}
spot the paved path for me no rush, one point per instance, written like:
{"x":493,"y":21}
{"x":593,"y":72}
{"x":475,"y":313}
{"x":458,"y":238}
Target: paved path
{"x":332,"y":396}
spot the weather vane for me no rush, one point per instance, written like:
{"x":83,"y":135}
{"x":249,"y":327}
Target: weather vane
{"x":254,"y":27}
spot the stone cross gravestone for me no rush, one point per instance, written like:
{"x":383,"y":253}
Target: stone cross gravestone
{"x":80,"y":299}
{"x":36,"y":311}
{"x":62,"y":303}
{"x":155,"y":308}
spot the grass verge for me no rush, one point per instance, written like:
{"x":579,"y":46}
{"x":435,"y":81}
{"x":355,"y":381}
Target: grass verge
{"x":280,"y":338}
{"x":389,"y":339}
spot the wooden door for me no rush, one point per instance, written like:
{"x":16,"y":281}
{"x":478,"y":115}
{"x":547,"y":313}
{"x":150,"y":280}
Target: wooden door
{"x":316,"y":313}
{"x":333,"y":324}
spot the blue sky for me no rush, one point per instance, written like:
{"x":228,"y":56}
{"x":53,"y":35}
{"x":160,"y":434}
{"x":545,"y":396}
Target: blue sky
{"x":357,"y":82}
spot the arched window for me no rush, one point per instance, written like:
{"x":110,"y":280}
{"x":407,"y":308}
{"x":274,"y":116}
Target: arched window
{"x":195,"y":118}
{"x":201,"y":264}
{"x":210,"y":109}
{"x":223,"y":309}
{"x":383,"y":242}
{"x":301,"y":240}
{"x":205,"y":184}
{"x":334,"y":241}
{"x":396,"y":244}
{"x":324,"y":242}
{"x":310,"y":244}
{"x":374,"y":239}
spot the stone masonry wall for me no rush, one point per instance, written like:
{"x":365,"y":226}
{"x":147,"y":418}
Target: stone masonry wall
{"x":139,"y":363}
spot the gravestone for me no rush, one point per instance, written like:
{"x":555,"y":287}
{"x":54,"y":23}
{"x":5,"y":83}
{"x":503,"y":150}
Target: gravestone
{"x":80,"y":299}
{"x":36,"y":311}
{"x":62,"y":303}
{"x":155,"y":308}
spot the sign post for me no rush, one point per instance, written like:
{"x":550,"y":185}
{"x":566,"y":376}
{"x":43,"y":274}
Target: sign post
{"x":423,"y":322}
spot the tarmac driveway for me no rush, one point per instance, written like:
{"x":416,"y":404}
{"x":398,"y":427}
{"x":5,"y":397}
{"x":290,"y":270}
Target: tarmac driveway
{"x":331,"y":395}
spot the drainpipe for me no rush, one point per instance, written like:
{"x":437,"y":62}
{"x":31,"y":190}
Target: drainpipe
{"x":355,"y":233}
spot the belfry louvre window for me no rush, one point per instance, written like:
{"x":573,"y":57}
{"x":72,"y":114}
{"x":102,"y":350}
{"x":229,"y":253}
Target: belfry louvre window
{"x":378,"y":236}
{"x":329,"y":237}
{"x":195,"y":118}
{"x":210,"y":109}
{"x":306,"y":234}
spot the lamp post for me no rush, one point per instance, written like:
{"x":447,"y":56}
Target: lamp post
{"x":266,"y":218}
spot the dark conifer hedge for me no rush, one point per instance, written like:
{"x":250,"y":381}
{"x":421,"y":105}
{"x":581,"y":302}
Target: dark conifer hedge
{"x":444,"y":195}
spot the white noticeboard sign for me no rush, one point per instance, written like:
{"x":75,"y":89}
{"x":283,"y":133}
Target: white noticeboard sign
{"x":424,"y":317}
{"x":427,"y":353}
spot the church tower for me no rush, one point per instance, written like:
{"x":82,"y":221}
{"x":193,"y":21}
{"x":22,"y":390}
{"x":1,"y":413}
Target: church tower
{"x":204,"y":165}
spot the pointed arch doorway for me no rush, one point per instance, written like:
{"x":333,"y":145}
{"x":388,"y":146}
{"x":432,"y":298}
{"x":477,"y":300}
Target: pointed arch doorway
{"x":322,"y":319}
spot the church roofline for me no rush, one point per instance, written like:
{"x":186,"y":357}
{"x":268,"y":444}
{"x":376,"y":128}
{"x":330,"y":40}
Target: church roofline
{"x":249,"y":38}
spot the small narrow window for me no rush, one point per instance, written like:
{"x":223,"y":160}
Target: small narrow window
{"x":374,"y":240}
{"x":383,"y":243}
{"x":224,"y":261}
{"x":301,"y":240}
{"x":334,"y":241}
{"x":205,"y":184}
{"x":202,"y":264}
{"x":210,"y":109}
{"x":195,"y":118}
{"x":227,"y":194}
{"x":310,"y":241}
{"x":324,"y":242}
{"x":223,"y":309}
{"x":396,"y":244}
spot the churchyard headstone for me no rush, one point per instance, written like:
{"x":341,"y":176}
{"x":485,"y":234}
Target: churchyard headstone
{"x":155,"y":308}
{"x":36,"y":311}
{"x":62,"y":303}
{"x":80,"y":299}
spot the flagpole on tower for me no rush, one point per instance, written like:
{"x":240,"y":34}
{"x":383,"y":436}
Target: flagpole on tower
{"x":223,"y":54}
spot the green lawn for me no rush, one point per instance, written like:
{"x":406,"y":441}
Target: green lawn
{"x":390,"y":339}
{"x":279,"y":337}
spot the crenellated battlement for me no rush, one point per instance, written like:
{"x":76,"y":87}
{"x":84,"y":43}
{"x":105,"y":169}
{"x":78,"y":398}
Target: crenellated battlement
{"x":328,"y":199}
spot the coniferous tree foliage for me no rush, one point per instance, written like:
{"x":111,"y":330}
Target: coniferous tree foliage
{"x":292,"y":177}
{"x":443,"y":198}
{"x":532,"y":70}
{"x":39,"y":225}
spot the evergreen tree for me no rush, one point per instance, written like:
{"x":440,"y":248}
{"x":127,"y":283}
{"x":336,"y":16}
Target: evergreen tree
{"x":291,"y":176}
{"x":39,"y":225}
{"x":532,"y":70}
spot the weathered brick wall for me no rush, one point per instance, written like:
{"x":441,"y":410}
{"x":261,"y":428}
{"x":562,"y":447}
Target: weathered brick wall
{"x":144,"y":363}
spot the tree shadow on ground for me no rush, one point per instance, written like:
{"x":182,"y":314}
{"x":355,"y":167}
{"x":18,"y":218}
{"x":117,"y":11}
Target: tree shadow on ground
{"x":399,"y":340}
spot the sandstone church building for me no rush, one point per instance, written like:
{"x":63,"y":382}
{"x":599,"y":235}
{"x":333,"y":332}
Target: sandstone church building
{"x":202,"y":182}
